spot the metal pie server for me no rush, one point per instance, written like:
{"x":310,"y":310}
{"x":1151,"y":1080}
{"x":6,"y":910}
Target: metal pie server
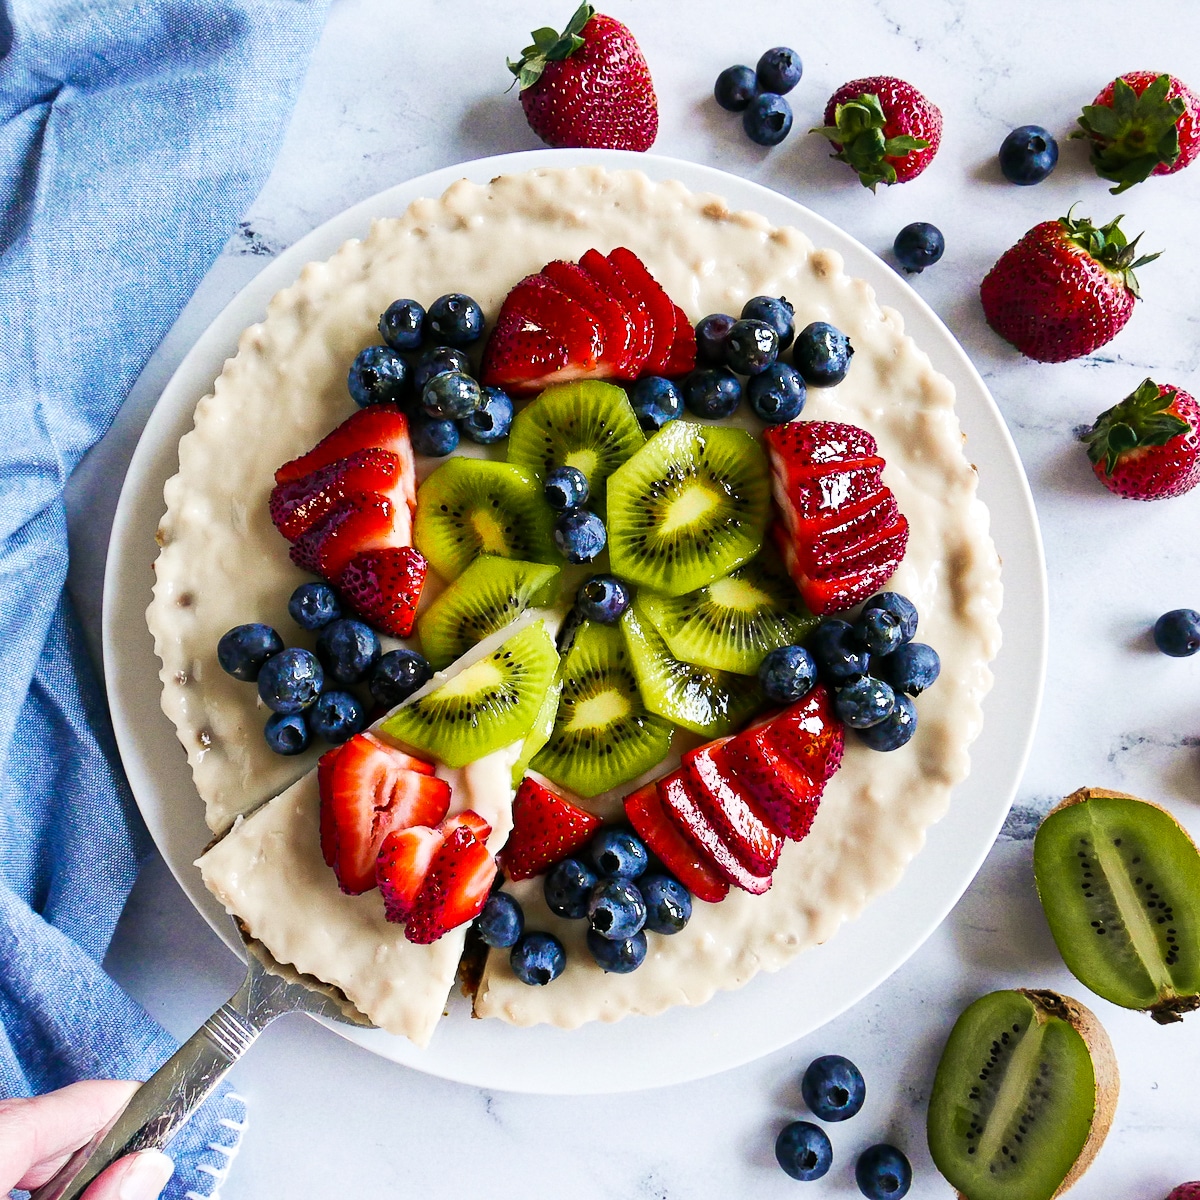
{"x":159,"y":1108}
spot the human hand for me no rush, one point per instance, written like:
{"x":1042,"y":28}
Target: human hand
{"x":37,"y":1136}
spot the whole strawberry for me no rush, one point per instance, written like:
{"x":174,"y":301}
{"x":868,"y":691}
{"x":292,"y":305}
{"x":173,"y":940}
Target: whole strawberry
{"x":1148,"y":446}
{"x":884,"y":128}
{"x":1066,"y":288}
{"x":588,"y":86}
{"x":1141,"y":124}
{"x":1185,"y":1191}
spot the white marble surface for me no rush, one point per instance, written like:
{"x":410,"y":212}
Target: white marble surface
{"x":395,"y":91}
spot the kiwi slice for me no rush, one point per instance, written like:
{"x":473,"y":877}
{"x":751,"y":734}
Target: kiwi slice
{"x":603,"y":735}
{"x":489,"y":594}
{"x":688,"y":507}
{"x":1120,"y":882}
{"x":732,"y":623}
{"x":711,"y":703}
{"x":473,"y":506}
{"x":490,"y":703}
{"x":1023,"y":1097}
{"x":539,"y":735}
{"x":587,"y":425}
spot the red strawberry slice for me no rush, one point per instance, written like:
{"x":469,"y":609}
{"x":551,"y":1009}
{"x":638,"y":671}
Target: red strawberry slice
{"x":400,"y":870}
{"x":367,"y":791}
{"x":833,"y":594}
{"x":362,"y":521}
{"x":811,"y":445}
{"x":658,"y":304}
{"x":455,"y":889}
{"x":610,"y":280}
{"x":755,"y":840}
{"x":781,"y":790}
{"x":837,"y":537}
{"x":467,"y":819}
{"x":679,"y":854}
{"x":297,"y":506}
{"x":683,"y":348}
{"x":546,"y":828}
{"x":809,"y":735}
{"x":620,"y":333}
{"x":681,"y":803}
{"x":384,"y":586}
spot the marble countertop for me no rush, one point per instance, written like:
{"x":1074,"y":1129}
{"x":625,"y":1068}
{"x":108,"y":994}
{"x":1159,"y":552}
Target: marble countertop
{"x":387,"y":98}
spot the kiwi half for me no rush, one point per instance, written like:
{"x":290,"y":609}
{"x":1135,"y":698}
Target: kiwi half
{"x":490,"y":703}
{"x":688,"y":507}
{"x":1120,"y":882}
{"x":711,"y":703}
{"x":1023,"y":1098}
{"x":473,"y":506}
{"x":732,"y":623}
{"x":489,"y":594}
{"x":603,"y":735}
{"x":587,"y":425}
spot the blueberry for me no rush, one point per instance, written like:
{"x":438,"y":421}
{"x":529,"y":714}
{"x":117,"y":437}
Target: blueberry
{"x":753,"y":346}
{"x":618,"y":956}
{"x":603,"y":598}
{"x":616,"y":909}
{"x":911,"y":668}
{"x":378,"y":376}
{"x":767,"y":119}
{"x":492,"y":420}
{"x":402,"y":326}
{"x":655,"y":401}
{"x":566,"y":487}
{"x":455,"y":319}
{"x":1176,"y":633}
{"x":787,"y":674}
{"x":434,"y":437}
{"x":879,"y":631}
{"x":314,"y":605}
{"x":894,"y":732}
{"x":712,"y":338}
{"x":735,"y":88}
{"x":839,"y":656}
{"x":435,"y":359}
{"x":918,"y":246}
{"x":712,"y":392}
{"x":617,"y":854}
{"x":901,"y":607}
{"x":1028,"y":155}
{"x":579,"y":535}
{"x":865,"y":702}
{"x":777,"y":394}
{"x":452,"y":395}
{"x":777,"y":313}
{"x":396,"y":675}
{"x":290,"y":681}
{"x":833,"y":1088}
{"x":348,"y":650}
{"x":779,"y":70}
{"x":883,"y":1173}
{"x":336,"y":717}
{"x":243,"y":650}
{"x":568,"y":887}
{"x":502,"y":922}
{"x":668,"y":902}
{"x":537,"y":959}
{"x":802,"y":1149}
{"x":287,"y":733}
{"x":822,"y":354}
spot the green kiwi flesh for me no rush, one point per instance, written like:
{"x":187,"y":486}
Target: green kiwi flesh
{"x":588,"y":425}
{"x":473,"y":506}
{"x":491,"y":593}
{"x":490,"y":703}
{"x":539,"y":735}
{"x":1119,"y":880}
{"x":603,"y":735}
{"x":710,"y":703}
{"x":1023,"y":1096}
{"x":689,"y":507}
{"x":732,"y":623}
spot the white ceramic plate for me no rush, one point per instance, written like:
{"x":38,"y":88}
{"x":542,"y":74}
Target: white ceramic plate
{"x":733,"y":1027}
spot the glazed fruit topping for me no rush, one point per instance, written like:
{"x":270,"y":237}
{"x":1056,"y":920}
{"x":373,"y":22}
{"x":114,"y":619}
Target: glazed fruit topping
{"x":546,"y":828}
{"x":457,"y":884}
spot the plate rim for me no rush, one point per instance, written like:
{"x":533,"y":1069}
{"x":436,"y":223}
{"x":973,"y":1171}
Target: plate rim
{"x":1025,"y":584}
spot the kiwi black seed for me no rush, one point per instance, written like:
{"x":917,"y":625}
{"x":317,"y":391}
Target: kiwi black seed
{"x":1120,"y":882}
{"x":1023,"y":1098}
{"x":603,"y":735}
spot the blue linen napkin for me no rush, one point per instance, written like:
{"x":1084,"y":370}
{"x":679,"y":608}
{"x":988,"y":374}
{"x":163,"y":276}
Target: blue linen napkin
{"x":133,"y":135}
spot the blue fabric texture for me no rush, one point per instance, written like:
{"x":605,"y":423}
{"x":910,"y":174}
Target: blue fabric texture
{"x":133,"y":135}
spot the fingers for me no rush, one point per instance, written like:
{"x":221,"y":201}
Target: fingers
{"x":135,"y":1177}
